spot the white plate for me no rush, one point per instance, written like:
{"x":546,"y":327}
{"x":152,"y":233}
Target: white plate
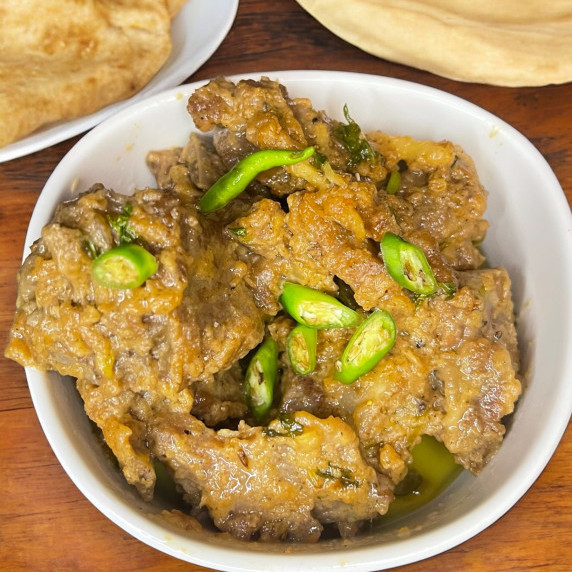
{"x":197,"y":31}
{"x":524,"y":195}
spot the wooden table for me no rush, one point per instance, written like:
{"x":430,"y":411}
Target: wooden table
{"x":45,"y":522}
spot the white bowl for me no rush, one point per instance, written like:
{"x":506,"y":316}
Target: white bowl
{"x":529,"y":235}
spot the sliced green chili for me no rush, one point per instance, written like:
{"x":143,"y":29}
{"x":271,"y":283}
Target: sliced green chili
{"x":125,"y":266}
{"x":301,"y":346}
{"x":316,"y":309}
{"x":260,"y":378}
{"x":231,"y":184}
{"x":371,"y":341}
{"x":394,"y":183}
{"x":407,"y":265}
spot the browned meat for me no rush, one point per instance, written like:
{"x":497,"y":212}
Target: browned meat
{"x":282,"y":482}
{"x":160,"y":367}
{"x":220,"y":399}
{"x":260,"y":110}
{"x":154,"y":341}
{"x":441,"y":194}
{"x":448,"y":376}
{"x":252,"y":115}
{"x":265,"y":231}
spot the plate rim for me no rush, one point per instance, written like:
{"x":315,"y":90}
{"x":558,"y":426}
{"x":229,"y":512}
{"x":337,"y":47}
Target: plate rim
{"x":54,"y":133}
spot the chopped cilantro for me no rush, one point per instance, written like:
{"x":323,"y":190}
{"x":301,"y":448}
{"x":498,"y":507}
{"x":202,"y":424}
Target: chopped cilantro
{"x":120,"y":224}
{"x":289,"y":424}
{"x":239,"y":231}
{"x":354,"y":141}
{"x":336,"y":473}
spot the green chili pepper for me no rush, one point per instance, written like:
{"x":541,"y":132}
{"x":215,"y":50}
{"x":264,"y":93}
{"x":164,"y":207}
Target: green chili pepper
{"x":407,"y":265}
{"x":260,"y":378}
{"x":316,"y":309}
{"x":125,"y":266}
{"x":301,"y":346}
{"x":394,"y":183}
{"x":371,"y":341}
{"x":243,"y":173}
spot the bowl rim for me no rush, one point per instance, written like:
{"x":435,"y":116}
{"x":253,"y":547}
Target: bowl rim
{"x":361,"y":558}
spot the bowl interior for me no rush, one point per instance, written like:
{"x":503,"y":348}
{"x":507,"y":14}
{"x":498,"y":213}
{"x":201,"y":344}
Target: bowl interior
{"x":529,"y":235}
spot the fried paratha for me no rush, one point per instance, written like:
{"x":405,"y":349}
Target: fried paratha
{"x":508,"y":42}
{"x":62,"y":59}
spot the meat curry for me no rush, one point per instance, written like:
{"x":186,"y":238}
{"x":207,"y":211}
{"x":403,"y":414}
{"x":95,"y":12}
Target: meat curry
{"x":161,"y":367}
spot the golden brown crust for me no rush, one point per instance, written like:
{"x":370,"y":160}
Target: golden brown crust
{"x":62,"y":59}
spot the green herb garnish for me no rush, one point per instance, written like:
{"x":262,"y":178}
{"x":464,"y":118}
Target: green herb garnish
{"x":354,"y":141}
{"x":336,"y":473}
{"x":119,"y":222}
{"x":289,"y":424}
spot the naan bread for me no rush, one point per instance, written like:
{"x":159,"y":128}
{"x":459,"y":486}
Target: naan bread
{"x":62,"y":59}
{"x":499,"y":42}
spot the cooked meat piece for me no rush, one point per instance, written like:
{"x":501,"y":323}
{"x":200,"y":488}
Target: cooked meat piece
{"x":188,"y":169}
{"x":323,"y":234}
{"x":498,"y":319}
{"x":331,"y":223}
{"x":120,"y":413}
{"x":265,"y":231}
{"x":253,"y":115}
{"x":204,"y":164}
{"x":259,"y":109}
{"x":479,"y":390}
{"x":160,"y":164}
{"x":440,"y":193}
{"x":449,"y":375}
{"x":447,"y":201}
{"x":280,"y":483}
{"x":326,"y":134}
{"x":320,"y":130}
{"x":220,"y":399}
{"x":183,"y":325}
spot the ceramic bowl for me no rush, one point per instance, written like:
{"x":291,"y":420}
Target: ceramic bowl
{"x":529,"y":234}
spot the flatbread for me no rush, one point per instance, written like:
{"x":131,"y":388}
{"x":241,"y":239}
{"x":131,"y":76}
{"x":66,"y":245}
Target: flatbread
{"x":62,"y":59}
{"x":499,"y":42}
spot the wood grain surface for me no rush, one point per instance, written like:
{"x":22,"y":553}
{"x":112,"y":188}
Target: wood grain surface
{"x":45,"y":522}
